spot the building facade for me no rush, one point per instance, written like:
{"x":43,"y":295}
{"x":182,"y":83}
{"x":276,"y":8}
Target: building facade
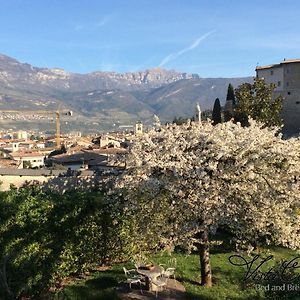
{"x":29,"y":160}
{"x":286,"y":77}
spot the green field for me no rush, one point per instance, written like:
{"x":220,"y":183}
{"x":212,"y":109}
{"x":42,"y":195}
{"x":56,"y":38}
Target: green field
{"x":227,"y":279}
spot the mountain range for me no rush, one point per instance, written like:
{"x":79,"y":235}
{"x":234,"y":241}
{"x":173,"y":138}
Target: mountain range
{"x":107,"y":98}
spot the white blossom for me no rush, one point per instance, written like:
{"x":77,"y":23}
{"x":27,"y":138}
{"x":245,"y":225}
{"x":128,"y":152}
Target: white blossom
{"x":245,"y":178}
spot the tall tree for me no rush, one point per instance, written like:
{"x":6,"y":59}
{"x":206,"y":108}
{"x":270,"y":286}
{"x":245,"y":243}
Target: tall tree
{"x":256,"y":100}
{"x":216,"y":114}
{"x":230,"y":94}
{"x":229,"y":104}
{"x":183,"y":182}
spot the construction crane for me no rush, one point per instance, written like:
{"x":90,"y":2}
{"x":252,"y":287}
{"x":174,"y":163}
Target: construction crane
{"x":45,"y":112}
{"x":57,"y":120}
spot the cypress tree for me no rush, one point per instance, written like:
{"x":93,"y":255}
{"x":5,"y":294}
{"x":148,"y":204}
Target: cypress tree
{"x":229,"y":104}
{"x":230,"y":94}
{"x":216,"y":114}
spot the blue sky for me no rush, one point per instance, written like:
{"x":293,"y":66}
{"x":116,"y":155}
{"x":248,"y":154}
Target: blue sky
{"x":215,"y":38}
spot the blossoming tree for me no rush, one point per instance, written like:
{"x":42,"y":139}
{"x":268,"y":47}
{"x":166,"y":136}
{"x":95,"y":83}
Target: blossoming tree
{"x":185,"y":181}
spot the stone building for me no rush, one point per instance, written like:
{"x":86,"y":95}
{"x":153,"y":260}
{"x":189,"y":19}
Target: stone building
{"x":286,"y":76}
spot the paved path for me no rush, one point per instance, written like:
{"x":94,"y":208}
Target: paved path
{"x":173,"y":291}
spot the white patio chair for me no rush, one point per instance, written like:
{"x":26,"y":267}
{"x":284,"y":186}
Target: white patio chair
{"x":133,"y":278}
{"x":169,"y":272}
{"x":159,"y":282}
{"x":131,"y":272}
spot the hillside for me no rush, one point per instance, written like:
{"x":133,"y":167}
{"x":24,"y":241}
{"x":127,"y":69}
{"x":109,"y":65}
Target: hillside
{"x":108,"y":97}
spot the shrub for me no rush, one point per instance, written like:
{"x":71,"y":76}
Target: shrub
{"x":46,"y":236}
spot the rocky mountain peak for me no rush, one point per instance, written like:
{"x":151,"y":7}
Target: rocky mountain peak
{"x":108,"y":96}
{"x":148,"y":78}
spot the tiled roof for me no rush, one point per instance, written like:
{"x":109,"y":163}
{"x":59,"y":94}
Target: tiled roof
{"x":79,"y":157}
{"x":8,"y":163}
{"x":26,"y":154}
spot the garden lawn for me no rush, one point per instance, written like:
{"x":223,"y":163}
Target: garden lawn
{"x":227,"y":278}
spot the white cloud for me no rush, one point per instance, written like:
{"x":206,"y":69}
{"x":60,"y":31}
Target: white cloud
{"x":194,"y":44}
{"x":93,"y":26}
{"x":103,"y":21}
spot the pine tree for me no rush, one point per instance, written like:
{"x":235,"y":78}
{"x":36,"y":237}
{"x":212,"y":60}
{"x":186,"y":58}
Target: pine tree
{"x":216,"y":114}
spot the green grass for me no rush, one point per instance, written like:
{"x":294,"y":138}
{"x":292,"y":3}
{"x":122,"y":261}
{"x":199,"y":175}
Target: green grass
{"x":101,"y":286}
{"x":227,"y":278}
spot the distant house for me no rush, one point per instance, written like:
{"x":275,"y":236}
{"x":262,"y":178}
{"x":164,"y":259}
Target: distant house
{"x":31,"y":145}
{"x":79,"y":160}
{"x":107,"y":141}
{"x":21,"y":134}
{"x":96,"y":159}
{"x":29,"y":159}
{"x":84,"y":142}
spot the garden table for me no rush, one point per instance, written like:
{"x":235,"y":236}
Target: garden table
{"x":150,"y":275}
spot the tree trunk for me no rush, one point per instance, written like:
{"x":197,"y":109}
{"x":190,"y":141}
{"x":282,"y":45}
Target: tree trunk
{"x":206,"y":276}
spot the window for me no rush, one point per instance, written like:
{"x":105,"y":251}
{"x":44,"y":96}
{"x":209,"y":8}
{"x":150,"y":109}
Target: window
{"x":279,"y":83}
{"x":289,"y":93}
{"x":272,"y":72}
{"x":297,"y":102}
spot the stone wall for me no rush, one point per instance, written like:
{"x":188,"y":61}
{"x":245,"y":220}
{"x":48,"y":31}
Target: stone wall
{"x":58,"y":181}
{"x":18,"y":181}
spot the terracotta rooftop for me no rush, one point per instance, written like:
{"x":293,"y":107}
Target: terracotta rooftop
{"x":80,"y":156}
{"x":8,"y":163}
{"x":26,"y":154}
{"x":14,"y":140}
